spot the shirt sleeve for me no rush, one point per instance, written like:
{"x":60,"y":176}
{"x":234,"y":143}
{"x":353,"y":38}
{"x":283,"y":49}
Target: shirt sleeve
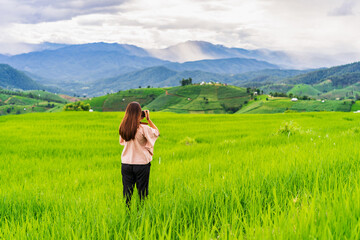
{"x":121,"y":141}
{"x":151,"y":135}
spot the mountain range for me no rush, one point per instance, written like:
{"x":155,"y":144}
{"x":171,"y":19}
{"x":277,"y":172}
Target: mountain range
{"x":74,"y":67}
{"x":99,"y":68}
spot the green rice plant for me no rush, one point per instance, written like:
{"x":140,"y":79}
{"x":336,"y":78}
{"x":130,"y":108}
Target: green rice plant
{"x":289,"y":128}
{"x":60,"y":177}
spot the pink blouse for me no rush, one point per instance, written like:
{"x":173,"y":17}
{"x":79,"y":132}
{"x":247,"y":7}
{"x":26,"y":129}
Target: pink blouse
{"x":139,"y":150}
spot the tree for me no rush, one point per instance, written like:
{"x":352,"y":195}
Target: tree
{"x":148,"y":86}
{"x":185,"y":82}
{"x":291,"y":95}
{"x":77,"y":106}
{"x":8,"y":110}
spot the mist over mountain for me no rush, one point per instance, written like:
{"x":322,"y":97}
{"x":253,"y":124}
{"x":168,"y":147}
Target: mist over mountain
{"x":199,"y":50}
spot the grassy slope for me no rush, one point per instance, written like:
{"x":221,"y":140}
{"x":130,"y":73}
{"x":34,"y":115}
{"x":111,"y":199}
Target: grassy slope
{"x":356,"y":106}
{"x":304,"y":89}
{"x":186,"y":99}
{"x":324,"y":86}
{"x":48,"y":95}
{"x":61,"y":177}
{"x":349,"y":91}
{"x":273,"y":105}
{"x":118,"y":101}
{"x":23,"y":104}
{"x":202,"y":99}
{"x":280,"y":105}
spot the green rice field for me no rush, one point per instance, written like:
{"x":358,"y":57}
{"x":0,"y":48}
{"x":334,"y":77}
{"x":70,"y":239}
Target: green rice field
{"x":241,"y":176}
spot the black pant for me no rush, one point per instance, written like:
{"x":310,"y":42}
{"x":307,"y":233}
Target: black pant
{"x":135,"y":174}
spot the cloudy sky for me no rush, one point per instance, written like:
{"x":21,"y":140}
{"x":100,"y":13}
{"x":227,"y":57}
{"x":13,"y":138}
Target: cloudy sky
{"x":306,"y":26}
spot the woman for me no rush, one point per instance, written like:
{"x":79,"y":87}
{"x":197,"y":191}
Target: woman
{"x":138,"y":140}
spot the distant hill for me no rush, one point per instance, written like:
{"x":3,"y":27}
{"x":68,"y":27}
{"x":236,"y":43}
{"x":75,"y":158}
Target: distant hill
{"x":12,"y":78}
{"x":266,"y":76}
{"x":280,"y":88}
{"x":223,"y":66}
{"x":329,"y":83}
{"x":83,"y":63}
{"x":168,"y":75}
{"x":186,"y":99}
{"x":343,"y":75}
{"x":154,"y":76}
{"x":3,"y":58}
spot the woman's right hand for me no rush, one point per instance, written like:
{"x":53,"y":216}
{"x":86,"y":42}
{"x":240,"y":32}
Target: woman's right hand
{"x":147,"y":114}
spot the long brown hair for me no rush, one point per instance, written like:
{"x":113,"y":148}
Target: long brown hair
{"x":130,"y":122}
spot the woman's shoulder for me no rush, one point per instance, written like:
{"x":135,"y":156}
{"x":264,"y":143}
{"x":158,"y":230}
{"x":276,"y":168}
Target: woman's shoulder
{"x":143,"y":127}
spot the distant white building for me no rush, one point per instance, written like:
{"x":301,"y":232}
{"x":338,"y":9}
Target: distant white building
{"x":323,"y":101}
{"x":91,"y":110}
{"x":294,"y":99}
{"x":255,"y":93}
{"x":202,"y":83}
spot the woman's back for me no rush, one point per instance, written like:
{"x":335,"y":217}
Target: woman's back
{"x":139,"y":150}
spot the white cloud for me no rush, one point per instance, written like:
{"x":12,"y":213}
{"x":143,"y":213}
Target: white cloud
{"x":345,"y":9}
{"x":37,"y":11}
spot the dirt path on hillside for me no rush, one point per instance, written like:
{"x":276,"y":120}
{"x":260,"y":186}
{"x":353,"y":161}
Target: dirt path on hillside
{"x":69,"y":98}
{"x":172,"y":94}
{"x":6,"y":101}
